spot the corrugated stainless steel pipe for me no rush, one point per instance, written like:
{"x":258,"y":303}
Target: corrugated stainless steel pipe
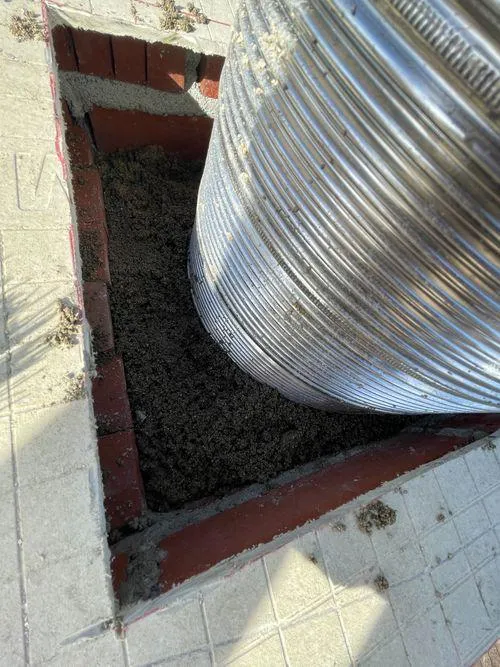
{"x":346,"y":246}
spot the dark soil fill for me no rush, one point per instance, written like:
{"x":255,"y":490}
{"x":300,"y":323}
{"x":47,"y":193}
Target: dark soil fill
{"x":203,"y":426}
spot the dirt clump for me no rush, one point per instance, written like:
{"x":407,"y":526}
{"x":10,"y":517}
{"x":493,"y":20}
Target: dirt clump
{"x":489,"y":446}
{"x":375,"y":515}
{"x":197,"y":14}
{"x":381,"y":583}
{"x":66,"y":332}
{"x":173,"y":19}
{"x":26,"y":26}
{"x":204,"y":428}
{"x":75,"y":389}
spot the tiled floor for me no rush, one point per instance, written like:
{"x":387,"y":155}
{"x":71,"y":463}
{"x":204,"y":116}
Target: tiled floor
{"x":312,"y":601}
{"x":315,"y":600}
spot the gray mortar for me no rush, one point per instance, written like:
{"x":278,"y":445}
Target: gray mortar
{"x":83,"y":91}
{"x":143,"y":573}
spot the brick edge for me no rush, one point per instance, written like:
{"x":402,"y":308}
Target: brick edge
{"x":131,"y":60}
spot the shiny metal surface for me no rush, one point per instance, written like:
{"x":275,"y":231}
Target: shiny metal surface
{"x":346,"y":247}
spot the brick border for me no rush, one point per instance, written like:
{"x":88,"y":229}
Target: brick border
{"x":110,"y":130}
{"x":186,"y":136}
{"x":154,"y":64}
{"x":198,"y":547}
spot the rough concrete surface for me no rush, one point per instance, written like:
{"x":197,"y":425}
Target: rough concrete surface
{"x":84,"y":91}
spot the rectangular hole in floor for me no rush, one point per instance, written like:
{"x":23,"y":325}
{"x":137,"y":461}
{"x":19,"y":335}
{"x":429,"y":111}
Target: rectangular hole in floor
{"x":204,"y":427}
{"x":205,"y":430}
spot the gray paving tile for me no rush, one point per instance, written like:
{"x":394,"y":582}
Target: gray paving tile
{"x":297,"y":575}
{"x":456,"y":483}
{"x":60,"y":519}
{"x":428,"y":641}
{"x":37,"y":256}
{"x":338,"y":547}
{"x":484,"y":467}
{"x":488,"y":581}
{"x":101,"y":651}
{"x":425,"y":501}
{"x":54,"y":441}
{"x":176,"y":630}
{"x":64,"y":599}
{"x":318,"y":641}
{"x":467,"y":617}
{"x":472,"y":522}
{"x":264,"y":652}
{"x":11,"y":627}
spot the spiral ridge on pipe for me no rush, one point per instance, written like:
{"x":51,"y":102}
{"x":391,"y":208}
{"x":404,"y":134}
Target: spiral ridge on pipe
{"x":346,"y":245}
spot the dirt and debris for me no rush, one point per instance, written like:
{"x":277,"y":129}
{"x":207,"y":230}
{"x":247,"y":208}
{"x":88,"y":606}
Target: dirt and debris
{"x":204,"y":428}
{"x":375,"y":515}
{"x":340,"y":527}
{"x":440,"y":517}
{"x":380,"y":582}
{"x":197,"y":14}
{"x":66,"y":332}
{"x":489,"y":445}
{"x":134,"y":12}
{"x":26,"y":26}
{"x":174,"y":19}
{"x":75,"y":389}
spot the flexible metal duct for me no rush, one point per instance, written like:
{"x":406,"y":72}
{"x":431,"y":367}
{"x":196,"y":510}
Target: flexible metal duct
{"x":346,"y":247}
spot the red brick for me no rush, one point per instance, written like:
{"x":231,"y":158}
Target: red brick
{"x":95,"y":296}
{"x":185,"y":136}
{"x":166,"y":67}
{"x":122,"y":481}
{"x":77,"y":141}
{"x":109,"y":391}
{"x":200,"y":546}
{"x":93,"y":53}
{"x":64,"y":49}
{"x":89,"y":200}
{"x":209,"y":73}
{"x":119,"y":565}
{"x":93,"y":245}
{"x":129,"y":57}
